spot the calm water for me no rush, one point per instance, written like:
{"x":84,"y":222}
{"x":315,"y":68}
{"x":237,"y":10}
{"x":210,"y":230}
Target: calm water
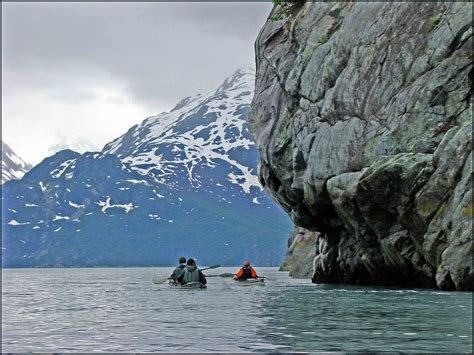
{"x":122,"y":310}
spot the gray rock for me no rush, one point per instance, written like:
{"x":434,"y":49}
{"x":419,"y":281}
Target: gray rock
{"x":363,"y":118}
{"x":301,"y":252}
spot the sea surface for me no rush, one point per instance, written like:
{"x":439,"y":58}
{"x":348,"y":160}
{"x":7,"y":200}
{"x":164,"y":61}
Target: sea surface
{"x":122,"y":310}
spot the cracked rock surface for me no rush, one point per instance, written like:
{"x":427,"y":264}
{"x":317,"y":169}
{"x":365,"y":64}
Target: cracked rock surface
{"x":301,"y":253}
{"x":362,"y":116}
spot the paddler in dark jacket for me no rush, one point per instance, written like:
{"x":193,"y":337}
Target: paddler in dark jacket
{"x":191,"y":274}
{"x":179,"y":269}
{"x":246,"y":272}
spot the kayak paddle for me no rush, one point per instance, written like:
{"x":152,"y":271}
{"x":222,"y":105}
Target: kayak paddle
{"x":162,"y":279}
{"x":210,"y":267}
{"x":227,"y":275}
{"x":266,"y":278}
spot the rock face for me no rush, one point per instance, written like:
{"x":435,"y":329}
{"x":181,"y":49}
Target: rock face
{"x":362,"y":116}
{"x":301,"y":253}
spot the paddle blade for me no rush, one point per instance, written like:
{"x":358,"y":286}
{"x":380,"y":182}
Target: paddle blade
{"x":266,"y":278}
{"x":159,"y":279}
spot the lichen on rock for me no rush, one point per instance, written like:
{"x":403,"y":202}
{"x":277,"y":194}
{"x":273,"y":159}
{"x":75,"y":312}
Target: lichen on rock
{"x":363,"y":118}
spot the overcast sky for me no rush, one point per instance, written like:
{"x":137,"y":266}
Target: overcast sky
{"x":89,"y":71}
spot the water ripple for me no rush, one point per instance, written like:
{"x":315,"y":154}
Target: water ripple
{"x":121,"y":310}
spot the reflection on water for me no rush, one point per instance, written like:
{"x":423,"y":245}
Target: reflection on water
{"x":122,"y":310}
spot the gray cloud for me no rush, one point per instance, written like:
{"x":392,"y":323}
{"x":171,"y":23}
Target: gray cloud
{"x":160,"y":52}
{"x":74,"y":96}
{"x":92,"y":70}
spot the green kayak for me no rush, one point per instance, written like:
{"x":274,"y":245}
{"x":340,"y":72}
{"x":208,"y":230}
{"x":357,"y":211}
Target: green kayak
{"x":250,"y":282}
{"x":189,"y":286}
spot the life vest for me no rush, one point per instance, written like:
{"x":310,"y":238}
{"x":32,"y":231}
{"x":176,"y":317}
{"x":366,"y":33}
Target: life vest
{"x":177,"y":271}
{"x":246,"y":273}
{"x":191,"y":276}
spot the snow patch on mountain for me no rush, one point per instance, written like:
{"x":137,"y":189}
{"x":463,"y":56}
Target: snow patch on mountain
{"x":200,"y":132}
{"x":106,"y":205}
{"x":15,"y":223}
{"x":57,"y":218}
{"x":13,"y":167}
{"x":132,"y":181}
{"x":56,"y":173}
{"x":75,"y":205}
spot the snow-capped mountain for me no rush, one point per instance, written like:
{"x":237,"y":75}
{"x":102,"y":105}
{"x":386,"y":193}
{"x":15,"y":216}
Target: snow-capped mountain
{"x":13,"y":167}
{"x":179,"y":183}
{"x":201,"y":133}
{"x":79,"y":145}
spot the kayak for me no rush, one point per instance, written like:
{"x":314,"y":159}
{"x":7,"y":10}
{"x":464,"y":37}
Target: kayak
{"x":250,"y":282}
{"x":189,"y":286}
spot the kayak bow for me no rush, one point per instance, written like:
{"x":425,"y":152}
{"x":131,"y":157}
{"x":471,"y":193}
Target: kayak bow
{"x":250,"y":282}
{"x":189,"y":286}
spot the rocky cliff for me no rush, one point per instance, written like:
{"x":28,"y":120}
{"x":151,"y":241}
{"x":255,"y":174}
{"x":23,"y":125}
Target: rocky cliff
{"x":301,"y":253}
{"x":362,"y":116}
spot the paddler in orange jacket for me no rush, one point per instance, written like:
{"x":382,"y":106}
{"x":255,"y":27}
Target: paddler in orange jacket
{"x":246,"y":272}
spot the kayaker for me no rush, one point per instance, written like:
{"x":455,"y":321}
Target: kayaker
{"x":191,"y":274}
{"x":179,"y":269}
{"x":246,"y":272}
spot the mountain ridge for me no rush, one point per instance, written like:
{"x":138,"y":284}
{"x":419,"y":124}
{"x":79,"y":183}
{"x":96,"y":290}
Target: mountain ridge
{"x":13,"y":167}
{"x":182,"y":182}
